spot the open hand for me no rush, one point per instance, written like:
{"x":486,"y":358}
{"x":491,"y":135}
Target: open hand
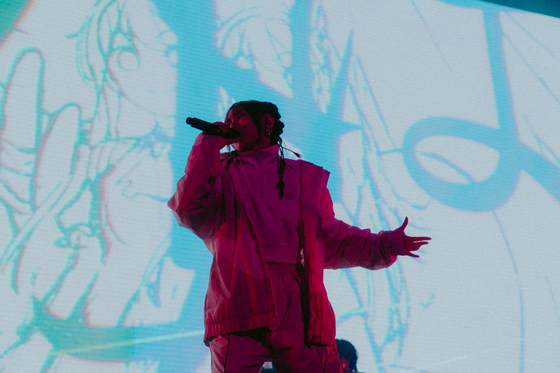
{"x":412,"y":243}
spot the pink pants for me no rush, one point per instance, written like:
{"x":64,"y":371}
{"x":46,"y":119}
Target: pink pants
{"x":283,"y":344}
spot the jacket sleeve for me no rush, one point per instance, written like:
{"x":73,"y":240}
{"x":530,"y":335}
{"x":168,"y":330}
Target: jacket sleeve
{"x":349,"y":246}
{"x":195,"y":204}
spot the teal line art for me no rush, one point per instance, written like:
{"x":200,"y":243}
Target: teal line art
{"x":125,"y":343}
{"x":97,"y":344}
{"x":83,"y":156}
{"x":10,"y":11}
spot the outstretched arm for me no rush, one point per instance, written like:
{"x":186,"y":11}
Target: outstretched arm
{"x":349,"y":246}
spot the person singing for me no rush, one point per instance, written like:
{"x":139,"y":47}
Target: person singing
{"x":270,"y":226}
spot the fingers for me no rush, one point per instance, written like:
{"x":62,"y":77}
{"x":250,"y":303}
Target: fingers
{"x":405,"y":223}
{"x":216,"y":141}
{"x":414,"y":244}
{"x":224,"y":128}
{"x":411,"y":240}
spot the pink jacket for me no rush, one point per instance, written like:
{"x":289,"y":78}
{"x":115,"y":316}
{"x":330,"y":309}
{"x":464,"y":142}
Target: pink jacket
{"x":239,"y":295}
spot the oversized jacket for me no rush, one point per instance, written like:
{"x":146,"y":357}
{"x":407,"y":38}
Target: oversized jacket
{"x":239,"y":295}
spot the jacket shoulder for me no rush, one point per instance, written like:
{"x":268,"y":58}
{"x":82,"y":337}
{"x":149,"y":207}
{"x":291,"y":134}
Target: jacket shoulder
{"x":297,"y":163}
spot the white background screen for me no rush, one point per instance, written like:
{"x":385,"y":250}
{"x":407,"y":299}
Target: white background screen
{"x":443,"y":111}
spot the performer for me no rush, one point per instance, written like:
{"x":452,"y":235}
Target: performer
{"x":270,"y":226}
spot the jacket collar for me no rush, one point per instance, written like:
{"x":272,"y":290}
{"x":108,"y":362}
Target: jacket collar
{"x":266,"y":154}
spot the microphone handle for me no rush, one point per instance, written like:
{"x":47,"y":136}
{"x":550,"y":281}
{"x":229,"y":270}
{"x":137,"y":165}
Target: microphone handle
{"x":212,"y":129}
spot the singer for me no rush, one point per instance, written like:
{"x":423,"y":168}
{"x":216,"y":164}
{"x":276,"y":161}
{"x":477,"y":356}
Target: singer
{"x":270,"y":226}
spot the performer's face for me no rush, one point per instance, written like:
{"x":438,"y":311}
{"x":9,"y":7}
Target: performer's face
{"x":251,"y":139}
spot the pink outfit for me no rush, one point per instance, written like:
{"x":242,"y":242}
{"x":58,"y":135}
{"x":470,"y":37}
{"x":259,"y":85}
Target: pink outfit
{"x":275,"y":221}
{"x":283,"y":344}
{"x":236,"y":210}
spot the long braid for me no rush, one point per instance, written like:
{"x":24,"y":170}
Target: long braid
{"x":280,"y":171}
{"x":275,"y":138}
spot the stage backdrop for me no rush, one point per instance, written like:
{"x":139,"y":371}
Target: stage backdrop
{"x":447,"y":112}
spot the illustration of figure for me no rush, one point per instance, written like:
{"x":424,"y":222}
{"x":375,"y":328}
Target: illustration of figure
{"x":84,"y":176}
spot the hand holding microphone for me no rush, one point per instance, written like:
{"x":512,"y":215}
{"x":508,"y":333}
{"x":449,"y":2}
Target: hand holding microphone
{"x":213,"y":129}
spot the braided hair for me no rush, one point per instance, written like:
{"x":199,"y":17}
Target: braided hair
{"x":257,"y":111}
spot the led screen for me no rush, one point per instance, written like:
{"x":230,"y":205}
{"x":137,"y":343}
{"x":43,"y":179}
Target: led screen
{"x":445,"y":112}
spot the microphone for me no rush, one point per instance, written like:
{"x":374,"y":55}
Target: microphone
{"x":212,"y":129}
